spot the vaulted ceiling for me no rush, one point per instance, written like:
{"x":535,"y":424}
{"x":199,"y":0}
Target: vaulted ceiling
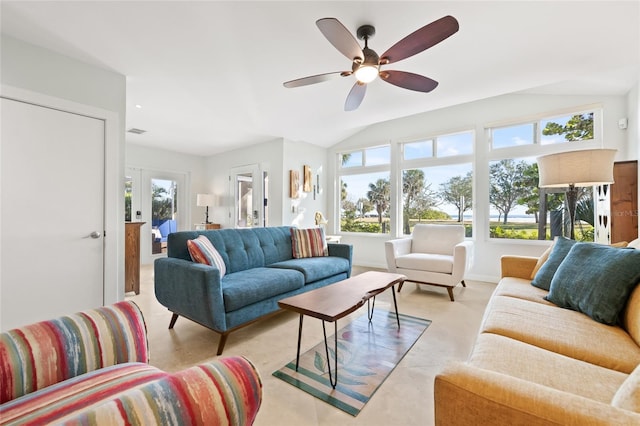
{"x":208,"y":74}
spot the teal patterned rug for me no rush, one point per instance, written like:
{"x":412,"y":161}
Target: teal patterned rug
{"x":367,"y":354}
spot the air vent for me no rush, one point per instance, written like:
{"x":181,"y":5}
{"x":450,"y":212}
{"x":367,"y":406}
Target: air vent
{"x":136,"y":131}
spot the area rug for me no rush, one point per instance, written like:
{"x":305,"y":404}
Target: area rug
{"x":367,"y":354}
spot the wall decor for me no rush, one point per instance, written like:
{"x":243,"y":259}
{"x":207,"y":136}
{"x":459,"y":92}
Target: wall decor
{"x":294,"y":183}
{"x":306,"y":187}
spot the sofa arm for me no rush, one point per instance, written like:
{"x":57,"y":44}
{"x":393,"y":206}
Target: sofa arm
{"x":192,"y":290}
{"x":226,"y":391}
{"x":42,"y":354}
{"x":466,"y":395}
{"x":394,"y":249}
{"x":517,"y":266}
{"x":342,"y":250}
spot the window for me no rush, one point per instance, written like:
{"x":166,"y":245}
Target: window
{"x":571,"y":127}
{"x":437,"y":194}
{"x":437,"y":182}
{"x":518,"y":209}
{"x":365,"y":190}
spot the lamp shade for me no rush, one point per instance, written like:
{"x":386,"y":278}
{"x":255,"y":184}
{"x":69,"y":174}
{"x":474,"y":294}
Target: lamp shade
{"x":204,"y":200}
{"x":578,"y":168}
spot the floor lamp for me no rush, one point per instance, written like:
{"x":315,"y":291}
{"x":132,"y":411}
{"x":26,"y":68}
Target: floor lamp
{"x":205,"y":200}
{"x":574,"y":169}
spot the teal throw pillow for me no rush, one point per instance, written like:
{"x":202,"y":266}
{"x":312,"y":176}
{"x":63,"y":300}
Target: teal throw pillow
{"x":596,"y":280}
{"x":545,"y":274}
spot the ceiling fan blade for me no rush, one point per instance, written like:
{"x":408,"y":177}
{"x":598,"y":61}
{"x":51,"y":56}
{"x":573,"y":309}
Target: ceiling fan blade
{"x":313,"y":79}
{"x":355,"y":96}
{"x":408,"y":80}
{"x":340,"y":37}
{"x":422,"y":39}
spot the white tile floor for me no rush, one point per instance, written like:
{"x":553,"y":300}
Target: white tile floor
{"x":405,"y":398}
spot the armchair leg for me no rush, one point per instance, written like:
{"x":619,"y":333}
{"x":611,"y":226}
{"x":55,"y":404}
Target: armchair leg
{"x":400,"y":286}
{"x":463,"y":284}
{"x":174,"y":318}
{"x":450,"y":290}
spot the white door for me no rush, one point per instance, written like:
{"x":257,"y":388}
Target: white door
{"x":52,"y":213}
{"x":246,"y":190}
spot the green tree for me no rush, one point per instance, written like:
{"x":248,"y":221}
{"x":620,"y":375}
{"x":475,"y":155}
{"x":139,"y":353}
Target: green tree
{"x":364,"y":205}
{"x":412,"y":186}
{"x":506,"y":187}
{"x":578,"y":128}
{"x":379,"y":195}
{"x":163,"y":202}
{"x":458,"y":191}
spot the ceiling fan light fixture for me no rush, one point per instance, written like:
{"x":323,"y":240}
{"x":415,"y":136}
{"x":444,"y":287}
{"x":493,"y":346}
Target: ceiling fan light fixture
{"x":366,"y":73}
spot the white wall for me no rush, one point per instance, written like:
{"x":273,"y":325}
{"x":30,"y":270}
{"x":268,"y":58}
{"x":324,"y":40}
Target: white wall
{"x":369,"y":249}
{"x":268,"y":156}
{"x":37,"y":70}
{"x":300,"y":211}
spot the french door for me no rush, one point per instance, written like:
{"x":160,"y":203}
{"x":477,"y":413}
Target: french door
{"x":249,"y":191}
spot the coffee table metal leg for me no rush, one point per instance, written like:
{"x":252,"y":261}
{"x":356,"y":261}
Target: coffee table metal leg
{"x":299,"y":339}
{"x":395,"y":303}
{"x":332,"y":380}
{"x":370,"y":309}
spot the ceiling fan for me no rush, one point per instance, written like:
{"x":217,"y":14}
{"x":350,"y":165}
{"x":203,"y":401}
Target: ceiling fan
{"x":366,"y":62}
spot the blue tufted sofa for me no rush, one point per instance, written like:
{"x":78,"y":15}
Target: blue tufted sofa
{"x":260,"y":271}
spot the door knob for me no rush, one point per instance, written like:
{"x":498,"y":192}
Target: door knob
{"x":95,"y":234}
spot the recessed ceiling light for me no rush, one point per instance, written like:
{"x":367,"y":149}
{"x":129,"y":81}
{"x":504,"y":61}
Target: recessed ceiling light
{"x":136,"y":131}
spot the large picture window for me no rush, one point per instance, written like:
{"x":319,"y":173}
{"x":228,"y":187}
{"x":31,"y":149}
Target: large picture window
{"x":437,"y":181}
{"x":365,"y":190}
{"x":518,"y":209}
{"x":437,"y":194}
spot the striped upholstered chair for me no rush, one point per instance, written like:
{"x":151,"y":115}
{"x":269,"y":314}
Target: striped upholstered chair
{"x":92,"y":368}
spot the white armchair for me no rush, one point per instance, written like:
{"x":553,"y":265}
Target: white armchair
{"x":434,"y":254}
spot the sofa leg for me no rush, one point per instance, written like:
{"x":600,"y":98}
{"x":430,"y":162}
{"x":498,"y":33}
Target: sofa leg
{"x":450,"y":290}
{"x":223,"y":340}
{"x":174,"y":318}
{"x":463,"y":284}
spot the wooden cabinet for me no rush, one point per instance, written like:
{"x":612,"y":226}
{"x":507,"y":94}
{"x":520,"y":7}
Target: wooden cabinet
{"x":624,"y":202}
{"x":132,"y":257}
{"x":206,"y":226}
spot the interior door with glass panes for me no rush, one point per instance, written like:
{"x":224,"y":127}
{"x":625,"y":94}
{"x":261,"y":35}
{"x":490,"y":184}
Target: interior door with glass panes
{"x":247,"y":192}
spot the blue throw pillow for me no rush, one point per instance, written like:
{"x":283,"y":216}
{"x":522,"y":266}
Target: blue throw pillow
{"x":545,"y":274}
{"x":596,"y":280}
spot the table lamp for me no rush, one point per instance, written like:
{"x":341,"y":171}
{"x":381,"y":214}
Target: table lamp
{"x":205,"y":200}
{"x":574,"y":169}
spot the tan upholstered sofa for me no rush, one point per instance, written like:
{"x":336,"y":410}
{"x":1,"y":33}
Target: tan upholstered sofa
{"x":535,"y":363}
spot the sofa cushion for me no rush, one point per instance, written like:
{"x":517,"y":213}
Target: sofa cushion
{"x":202,"y":251}
{"x":562,"y":331}
{"x":541,"y":260}
{"x":67,"y":398}
{"x":596,"y":280}
{"x":521,"y":288}
{"x":560,"y":249}
{"x":628,"y":395}
{"x":533,"y":364}
{"x":308,"y":243}
{"x":244,"y":288}
{"x":631,"y":315}
{"x":315,"y":268}
{"x":426,"y":262}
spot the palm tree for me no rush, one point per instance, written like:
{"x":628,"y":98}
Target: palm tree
{"x":379,"y":195}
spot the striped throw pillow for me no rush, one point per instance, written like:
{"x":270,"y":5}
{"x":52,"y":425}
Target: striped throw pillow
{"x":202,"y":251}
{"x":308,"y":243}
